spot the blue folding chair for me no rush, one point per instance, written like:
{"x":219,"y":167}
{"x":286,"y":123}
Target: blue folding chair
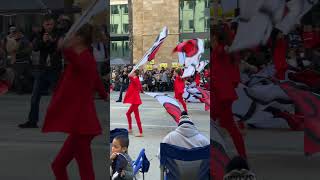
{"x":179,"y":163}
{"x":141,"y":163}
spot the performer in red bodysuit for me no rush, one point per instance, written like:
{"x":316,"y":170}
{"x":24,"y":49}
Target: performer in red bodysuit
{"x":223,"y":88}
{"x":179,"y":88}
{"x":133,"y":97}
{"x":72,"y":108}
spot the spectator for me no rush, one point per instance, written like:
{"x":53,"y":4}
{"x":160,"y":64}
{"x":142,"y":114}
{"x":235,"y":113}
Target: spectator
{"x":186,"y":135}
{"x":119,"y":151}
{"x":124,"y":82}
{"x":99,"y":49}
{"x":164,"y":80}
{"x":21,"y":61}
{"x":308,"y":41}
{"x":50,"y":67}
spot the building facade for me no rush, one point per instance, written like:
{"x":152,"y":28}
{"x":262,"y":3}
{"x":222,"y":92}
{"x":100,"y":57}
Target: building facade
{"x":185,"y":19}
{"x":119,"y":31}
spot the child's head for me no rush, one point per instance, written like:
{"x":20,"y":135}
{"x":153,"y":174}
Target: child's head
{"x":120,"y":144}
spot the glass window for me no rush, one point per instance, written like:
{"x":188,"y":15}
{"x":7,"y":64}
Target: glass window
{"x":125,"y":28}
{"x":207,"y":25}
{"x":190,"y":4}
{"x":114,"y":9}
{"x":207,"y":3}
{"x":191,"y":24}
{"x":114,"y":46}
{"x":114,"y":28}
{"x":125,"y":9}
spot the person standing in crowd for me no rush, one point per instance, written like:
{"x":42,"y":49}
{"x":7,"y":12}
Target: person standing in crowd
{"x":279,"y":56}
{"x":179,"y":86}
{"x":72,"y":109}
{"x":133,"y":97}
{"x":164,"y":80}
{"x":49,"y":69}
{"x":295,"y":44}
{"x":22,"y":61}
{"x":99,"y":49}
{"x":223,"y":88}
{"x":308,"y":42}
{"x":124,"y":81}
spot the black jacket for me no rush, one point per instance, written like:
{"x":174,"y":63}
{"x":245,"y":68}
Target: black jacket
{"x":50,"y":57}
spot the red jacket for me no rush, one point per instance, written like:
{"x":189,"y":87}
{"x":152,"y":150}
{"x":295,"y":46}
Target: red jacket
{"x":178,"y":87}
{"x":223,"y":75}
{"x":133,"y":93}
{"x":72,"y":107}
{"x":279,"y":54}
{"x":308,"y":39}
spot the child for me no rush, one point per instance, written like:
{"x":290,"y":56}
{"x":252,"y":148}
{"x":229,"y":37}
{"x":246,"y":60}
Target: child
{"x":119,"y":152}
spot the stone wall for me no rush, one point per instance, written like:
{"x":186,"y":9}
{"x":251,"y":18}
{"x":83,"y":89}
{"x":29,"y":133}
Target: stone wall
{"x":149,"y":17}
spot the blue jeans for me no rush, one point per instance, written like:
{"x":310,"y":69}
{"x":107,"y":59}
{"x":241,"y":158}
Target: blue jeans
{"x":43,"y":80}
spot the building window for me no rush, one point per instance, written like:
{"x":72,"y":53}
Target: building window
{"x":114,"y":46}
{"x":114,"y":28}
{"x":125,"y":9}
{"x":207,"y":3}
{"x":207,"y":25}
{"x":126,"y":45}
{"x":190,"y":4}
{"x":191,"y":24}
{"x":125,"y":28}
{"x":114,"y":9}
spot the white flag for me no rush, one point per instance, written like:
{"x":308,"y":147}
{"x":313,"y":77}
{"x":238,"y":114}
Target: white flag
{"x":151,"y":53}
{"x":252,"y":33}
{"x":297,"y":8}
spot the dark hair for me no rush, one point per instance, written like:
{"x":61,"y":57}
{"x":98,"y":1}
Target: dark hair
{"x":137,"y":72}
{"x":237,"y":163}
{"x":85,"y":32}
{"x":123,"y":140}
{"x":47,"y":18}
{"x":179,"y":71}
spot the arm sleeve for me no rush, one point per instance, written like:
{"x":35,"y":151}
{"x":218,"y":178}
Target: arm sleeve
{"x":99,"y":86}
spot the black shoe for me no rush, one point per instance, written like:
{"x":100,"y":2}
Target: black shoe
{"x":28,"y":125}
{"x":119,"y":101}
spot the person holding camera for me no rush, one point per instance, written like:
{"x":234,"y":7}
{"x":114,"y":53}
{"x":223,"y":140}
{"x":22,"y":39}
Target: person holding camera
{"x":48,"y":70}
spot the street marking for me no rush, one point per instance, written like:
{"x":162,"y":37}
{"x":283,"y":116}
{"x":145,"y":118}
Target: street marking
{"x":145,"y":125}
{"x":124,"y":107}
{"x":149,"y":125}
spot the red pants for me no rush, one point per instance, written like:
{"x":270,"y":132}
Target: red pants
{"x":227,"y":122}
{"x":180,"y":99}
{"x":134,"y":108}
{"x":78,"y":147}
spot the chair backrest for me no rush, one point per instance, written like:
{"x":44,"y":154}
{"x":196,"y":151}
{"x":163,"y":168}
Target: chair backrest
{"x":180,"y":163}
{"x":141,"y":163}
